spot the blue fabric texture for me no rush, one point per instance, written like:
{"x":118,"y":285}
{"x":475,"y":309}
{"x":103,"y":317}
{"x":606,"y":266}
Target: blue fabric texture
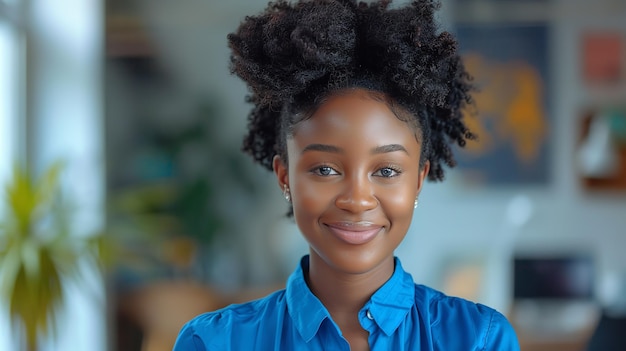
{"x":401,"y":315}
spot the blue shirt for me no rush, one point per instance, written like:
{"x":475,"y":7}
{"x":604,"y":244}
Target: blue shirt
{"x":399,"y":316}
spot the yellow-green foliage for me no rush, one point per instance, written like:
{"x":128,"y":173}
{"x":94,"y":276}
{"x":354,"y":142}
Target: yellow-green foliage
{"x":38,"y":251}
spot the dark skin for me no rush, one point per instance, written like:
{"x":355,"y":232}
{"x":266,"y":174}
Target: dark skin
{"x":353,"y":175}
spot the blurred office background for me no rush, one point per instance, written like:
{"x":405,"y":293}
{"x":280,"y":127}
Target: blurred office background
{"x":136,"y":98}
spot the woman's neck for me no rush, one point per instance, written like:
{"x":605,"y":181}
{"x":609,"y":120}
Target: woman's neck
{"x":342,"y":293}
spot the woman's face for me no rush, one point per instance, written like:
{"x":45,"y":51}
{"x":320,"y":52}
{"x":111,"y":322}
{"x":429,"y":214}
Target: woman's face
{"x":353,"y":173}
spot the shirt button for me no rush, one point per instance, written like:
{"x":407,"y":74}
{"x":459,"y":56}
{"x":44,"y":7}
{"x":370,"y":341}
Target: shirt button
{"x":369,"y":316}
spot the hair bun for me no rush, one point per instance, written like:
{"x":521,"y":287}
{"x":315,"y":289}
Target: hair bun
{"x":286,"y":48}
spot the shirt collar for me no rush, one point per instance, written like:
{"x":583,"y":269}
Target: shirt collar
{"x":389,"y":305}
{"x":305,"y":309}
{"x":392,"y":302}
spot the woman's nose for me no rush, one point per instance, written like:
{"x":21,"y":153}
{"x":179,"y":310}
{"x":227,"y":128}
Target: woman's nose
{"x":357,"y":195}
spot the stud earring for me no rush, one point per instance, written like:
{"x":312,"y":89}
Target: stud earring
{"x":415,"y":203}
{"x":286,"y":193}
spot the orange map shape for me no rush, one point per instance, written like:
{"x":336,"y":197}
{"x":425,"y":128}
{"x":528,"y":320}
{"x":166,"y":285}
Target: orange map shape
{"x":510,"y":99}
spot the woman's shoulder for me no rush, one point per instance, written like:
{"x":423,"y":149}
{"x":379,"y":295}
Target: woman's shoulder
{"x":469,"y":322}
{"x":216,"y":327}
{"x":439,"y":305}
{"x":247,"y":312}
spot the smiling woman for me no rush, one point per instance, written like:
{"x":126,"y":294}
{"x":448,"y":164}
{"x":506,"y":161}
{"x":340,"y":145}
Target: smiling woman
{"x":355,"y":105}
{"x":354,"y":174}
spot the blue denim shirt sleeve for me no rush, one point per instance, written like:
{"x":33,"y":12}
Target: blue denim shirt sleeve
{"x":188,"y":340}
{"x":457,"y":324}
{"x":500,"y":334}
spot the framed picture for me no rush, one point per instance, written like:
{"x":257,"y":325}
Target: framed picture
{"x":509,"y":64}
{"x":602,"y":57}
{"x":601,"y":149}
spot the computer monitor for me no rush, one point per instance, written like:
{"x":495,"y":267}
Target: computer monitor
{"x":565,"y":277}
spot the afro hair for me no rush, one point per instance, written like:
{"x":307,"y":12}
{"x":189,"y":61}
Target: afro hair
{"x":293,"y":55}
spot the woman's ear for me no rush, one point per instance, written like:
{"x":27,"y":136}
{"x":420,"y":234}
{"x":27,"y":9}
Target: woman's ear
{"x":421,"y":177}
{"x":282,"y":172}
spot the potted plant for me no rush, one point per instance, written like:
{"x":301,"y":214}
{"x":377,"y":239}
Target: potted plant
{"x":39,"y":252}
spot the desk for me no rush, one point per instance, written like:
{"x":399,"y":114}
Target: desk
{"x":572,"y":341}
{"x":575,"y":344}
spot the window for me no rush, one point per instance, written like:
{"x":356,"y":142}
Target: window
{"x":11,"y":98}
{"x":10,"y":85}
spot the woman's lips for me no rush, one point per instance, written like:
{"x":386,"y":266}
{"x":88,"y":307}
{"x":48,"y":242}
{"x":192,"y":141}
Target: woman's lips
{"x":354,"y":233}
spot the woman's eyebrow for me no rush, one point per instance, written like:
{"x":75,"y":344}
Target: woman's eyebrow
{"x":388,"y":148}
{"x":337,"y":150}
{"x":323,"y":148}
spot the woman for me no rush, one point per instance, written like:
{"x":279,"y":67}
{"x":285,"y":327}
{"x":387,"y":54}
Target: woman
{"x":355,"y":105}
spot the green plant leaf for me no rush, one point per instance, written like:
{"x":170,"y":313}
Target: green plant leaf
{"x":38,"y":251}
{"x":10,"y":265}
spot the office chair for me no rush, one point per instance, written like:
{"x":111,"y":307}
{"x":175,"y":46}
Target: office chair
{"x":609,"y":335}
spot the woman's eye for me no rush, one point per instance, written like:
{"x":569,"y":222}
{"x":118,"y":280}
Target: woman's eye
{"x":386,"y":172}
{"x":324,"y":171}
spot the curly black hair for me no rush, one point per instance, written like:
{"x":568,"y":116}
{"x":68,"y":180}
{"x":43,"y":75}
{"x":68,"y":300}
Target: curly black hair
{"x":293,"y":56}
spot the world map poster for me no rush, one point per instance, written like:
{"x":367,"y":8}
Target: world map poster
{"x":510,"y":69}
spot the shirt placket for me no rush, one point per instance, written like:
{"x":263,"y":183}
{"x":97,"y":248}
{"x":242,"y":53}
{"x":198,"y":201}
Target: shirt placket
{"x":367,"y":318}
{"x":330,"y":337}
